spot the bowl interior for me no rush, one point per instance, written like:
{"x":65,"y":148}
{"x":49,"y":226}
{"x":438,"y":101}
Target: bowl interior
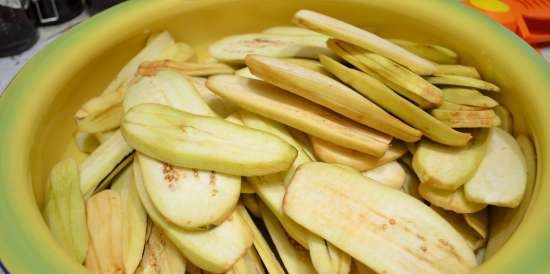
{"x":83,"y":62}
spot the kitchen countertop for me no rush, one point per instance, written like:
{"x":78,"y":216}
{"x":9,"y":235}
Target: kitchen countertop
{"x":9,"y":66}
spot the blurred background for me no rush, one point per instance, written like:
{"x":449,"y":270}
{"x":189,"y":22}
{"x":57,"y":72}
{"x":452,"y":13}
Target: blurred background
{"x":26,"y":26}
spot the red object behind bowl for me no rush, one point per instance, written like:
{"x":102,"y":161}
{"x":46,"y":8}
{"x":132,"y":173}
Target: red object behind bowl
{"x":530,"y":19}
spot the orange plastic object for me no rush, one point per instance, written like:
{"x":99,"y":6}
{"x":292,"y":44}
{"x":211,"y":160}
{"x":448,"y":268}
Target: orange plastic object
{"x":530,"y":19}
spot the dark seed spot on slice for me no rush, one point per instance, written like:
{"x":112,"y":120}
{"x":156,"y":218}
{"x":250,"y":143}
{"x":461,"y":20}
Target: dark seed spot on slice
{"x":424,"y":248}
{"x":392,"y":222}
{"x":212,"y":180}
{"x":170,"y":174}
{"x":167,"y":168}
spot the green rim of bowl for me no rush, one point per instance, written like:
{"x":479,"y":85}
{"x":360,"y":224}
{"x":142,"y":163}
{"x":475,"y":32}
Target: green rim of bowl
{"x":22,"y":231}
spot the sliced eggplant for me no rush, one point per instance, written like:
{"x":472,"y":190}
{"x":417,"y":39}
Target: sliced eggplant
{"x":134,"y":219}
{"x":222,"y":107}
{"x":329,"y":93}
{"x":150,"y":68}
{"x":216,"y":249}
{"x":284,"y":107}
{"x":102,"y":162}
{"x":447,"y":167}
{"x":104,"y":218}
{"x":435,"y":53}
{"x":187,"y":140}
{"x":266,"y":254}
{"x":501,"y":177}
{"x":462,"y":81}
{"x":332,"y":153}
{"x":160,"y":256}
{"x":360,"y":37}
{"x":294,"y":256}
{"x":391,"y":174}
{"x":65,"y":211}
{"x":233,"y":49}
{"x":376,"y":225}
{"x":450,"y":200}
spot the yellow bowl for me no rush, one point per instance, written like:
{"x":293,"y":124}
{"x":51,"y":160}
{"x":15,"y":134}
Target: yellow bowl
{"x":35,"y":112}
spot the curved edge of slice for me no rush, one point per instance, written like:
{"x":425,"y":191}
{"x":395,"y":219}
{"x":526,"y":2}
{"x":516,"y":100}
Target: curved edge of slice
{"x":250,"y":263}
{"x":251,"y":202}
{"x":104,"y":219}
{"x":359,"y":268}
{"x":246,"y":73}
{"x":271,"y":190}
{"x":479,"y":222}
{"x":102,"y":162}
{"x":463,"y":81}
{"x":332,"y":153}
{"x":399,"y":78}
{"x":85,"y":142}
{"x":431,"y":52}
{"x":459,"y":70}
{"x":246,"y":188}
{"x":134,"y":219}
{"x":266,"y":254}
{"x":220,"y":106}
{"x":327,"y":258}
{"x":160,"y":255}
{"x":410,"y":186}
{"x":258,"y":122}
{"x":469,"y":97}
{"x":506,"y":119}
{"x":290,"y":30}
{"x":156,"y":44}
{"x":150,"y":68}
{"x":179,"y":52}
{"x":233,"y":49}
{"x":303,"y":139}
{"x":391,"y":174}
{"x":294,"y":257}
{"x":467,"y":119}
{"x":474,"y":240}
{"x":450,"y":200}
